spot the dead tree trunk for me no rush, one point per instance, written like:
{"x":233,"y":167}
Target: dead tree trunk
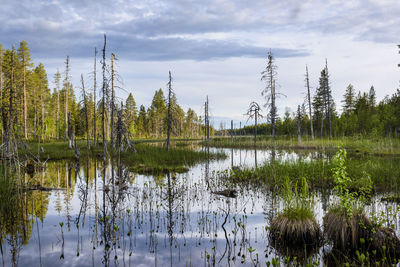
{"x":120,"y":128}
{"x":328,"y":95}
{"x":309,"y":103}
{"x":269,"y":92}
{"x":232,"y":130}
{"x":25,"y":103}
{"x":205,"y":121}
{"x":77,"y":151}
{"x":42,"y":126}
{"x":169,"y":115}
{"x":298,"y":124}
{"x":86,"y":108}
{"x":10,"y":105}
{"x":104,"y":98}
{"x":94,"y":99}
{"x":69,"y":130}
{"x":66,"y":99}
{"x":254,"y":111}
{"x":112,"y":99}
{"x":273,"y":109}
{"x":58,"y":104}
{"x":255,"y":128}
{"x":208,"y":121}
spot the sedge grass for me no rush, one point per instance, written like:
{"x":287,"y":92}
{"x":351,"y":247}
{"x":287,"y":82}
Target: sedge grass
{"x":295,"y":228}
{"x":378,"y":146}
{"x":383,"y":171}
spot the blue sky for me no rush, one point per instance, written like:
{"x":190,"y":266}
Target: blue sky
{"x":215,"y":47}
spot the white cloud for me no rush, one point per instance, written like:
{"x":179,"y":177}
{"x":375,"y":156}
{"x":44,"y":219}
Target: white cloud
{"x":216,"y":48}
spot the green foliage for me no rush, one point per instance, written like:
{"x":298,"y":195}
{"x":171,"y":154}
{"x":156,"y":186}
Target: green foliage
{"x":130,"y":114}
{"x":298,"y":204}
{"x":46,"y":109}
{"x":149,"y":158}
{"x":349,"y":200}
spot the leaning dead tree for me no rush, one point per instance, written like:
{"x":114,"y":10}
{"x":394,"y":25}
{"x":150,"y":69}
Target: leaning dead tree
{"x":309,"y":103}
{"x":254,"y":112}
{"x":269,"y":92}
{"x":169,"y":112}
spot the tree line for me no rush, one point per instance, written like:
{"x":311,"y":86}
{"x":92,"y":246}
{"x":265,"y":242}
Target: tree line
{"x":361,"y":114}
{"x":34,"y":108}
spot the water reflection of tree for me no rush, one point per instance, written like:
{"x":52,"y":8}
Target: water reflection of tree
{"x":170,"y":196}
{"x":228,"y":245}
{"x":112,"y":210}
{"x":19,"y":210}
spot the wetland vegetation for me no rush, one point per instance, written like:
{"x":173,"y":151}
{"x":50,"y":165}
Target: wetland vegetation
{"x":98,"y":182}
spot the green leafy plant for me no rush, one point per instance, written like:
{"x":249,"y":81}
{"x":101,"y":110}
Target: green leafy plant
{"x":349,"y":199}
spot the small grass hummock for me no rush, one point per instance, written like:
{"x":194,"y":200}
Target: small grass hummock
{"x":357,"y":233}
{"x":348,"y":227}
{"x":347,"y":232}
{"x":295,"y":230}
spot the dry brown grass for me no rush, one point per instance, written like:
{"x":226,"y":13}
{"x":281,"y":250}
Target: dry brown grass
{"x":295,"y":232}
{"x":345,"y":232}
{"x":359,"y":233}
{"x":297,"y":238}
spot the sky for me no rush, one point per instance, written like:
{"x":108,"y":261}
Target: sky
{"x":214,"y":47}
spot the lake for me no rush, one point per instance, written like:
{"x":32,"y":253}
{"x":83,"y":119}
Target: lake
{"x":105,"y":215}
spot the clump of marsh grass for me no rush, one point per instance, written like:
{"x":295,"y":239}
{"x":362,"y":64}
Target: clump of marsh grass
{"x":295,"y":230}
{"x":346,"y":231}
{"x":347,"y":226}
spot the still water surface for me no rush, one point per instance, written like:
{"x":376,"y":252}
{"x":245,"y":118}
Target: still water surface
{"x":105,"y":215}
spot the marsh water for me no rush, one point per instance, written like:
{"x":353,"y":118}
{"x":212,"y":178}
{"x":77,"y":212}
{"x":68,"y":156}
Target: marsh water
{"x":105,"y":215}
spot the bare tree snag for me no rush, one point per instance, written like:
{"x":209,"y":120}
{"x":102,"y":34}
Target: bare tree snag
{"x":66,"y":81}
{"x":169,"y":114}
{"x":309,"y":103}
{"x":94,"y":99}
{"x":86,"y":108}
{"x":104,"y":98}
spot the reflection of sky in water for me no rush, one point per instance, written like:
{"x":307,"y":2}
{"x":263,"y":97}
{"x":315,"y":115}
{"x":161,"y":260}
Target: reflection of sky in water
{"x":197,"y":238}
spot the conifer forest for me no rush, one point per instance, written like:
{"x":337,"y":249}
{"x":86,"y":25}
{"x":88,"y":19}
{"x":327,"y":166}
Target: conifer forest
{"x":173,"y":134}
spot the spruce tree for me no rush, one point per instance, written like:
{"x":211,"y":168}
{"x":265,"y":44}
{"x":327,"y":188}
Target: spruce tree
{"x":349,"y":100}
{"x":130,"y":113}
